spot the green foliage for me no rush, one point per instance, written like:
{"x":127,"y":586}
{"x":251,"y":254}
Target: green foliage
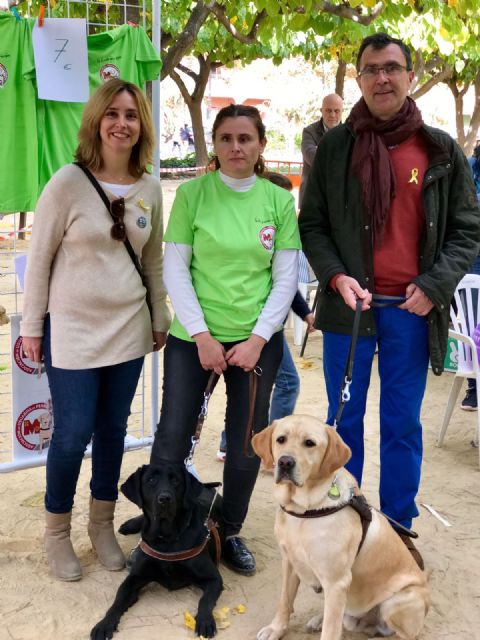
{"x":173,"y":163}
{"x":276,"y":139}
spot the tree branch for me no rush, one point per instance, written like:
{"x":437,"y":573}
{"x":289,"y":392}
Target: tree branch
{"x":186,"y":39}
{"x":251,"y":37}
{"x":182,"y":86}
{"x":346,"y":12}
{"x":442,"y":76}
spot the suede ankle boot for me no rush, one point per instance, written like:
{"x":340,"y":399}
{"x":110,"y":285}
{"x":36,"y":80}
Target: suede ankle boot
{"x":63,"y":562}
{"x":102,"y":535}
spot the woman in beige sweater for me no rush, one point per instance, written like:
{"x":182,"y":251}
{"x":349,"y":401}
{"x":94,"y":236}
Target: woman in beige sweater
{"x":85,"y":311}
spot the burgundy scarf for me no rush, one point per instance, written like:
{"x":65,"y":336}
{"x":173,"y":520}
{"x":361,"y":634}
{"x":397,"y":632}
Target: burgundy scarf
{"x":371,"y":161}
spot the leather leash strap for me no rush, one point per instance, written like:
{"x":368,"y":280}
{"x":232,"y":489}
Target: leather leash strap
{"x":176,"y":556}
{"x":347,"y":376}
{"x":211,"y":384}
{"x":252,"y":396}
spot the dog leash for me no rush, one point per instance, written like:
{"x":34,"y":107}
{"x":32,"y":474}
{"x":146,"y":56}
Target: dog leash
{"x":207,"y":394}
{"x":347,"y":375}
{"x":211,"y":384}
{"x":380,"y":302}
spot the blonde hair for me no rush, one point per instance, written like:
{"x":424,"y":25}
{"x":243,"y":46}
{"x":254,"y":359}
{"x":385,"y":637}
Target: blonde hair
{"x":89,"y":143}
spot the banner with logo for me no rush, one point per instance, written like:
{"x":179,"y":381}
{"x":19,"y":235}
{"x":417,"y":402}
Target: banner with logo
{"x":31,"y":403}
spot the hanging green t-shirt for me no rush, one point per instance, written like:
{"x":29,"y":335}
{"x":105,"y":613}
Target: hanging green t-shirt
{"x":18,"y":125}
{"x":125,"y":52}
{"x":233,"y":237}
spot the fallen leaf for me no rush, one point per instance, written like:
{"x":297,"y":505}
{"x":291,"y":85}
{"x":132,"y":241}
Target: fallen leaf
{"x":240,"y":608}
{"x":36,"y":500}
{"x":189,"y":620}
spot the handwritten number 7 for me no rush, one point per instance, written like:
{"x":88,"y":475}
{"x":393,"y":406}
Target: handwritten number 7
{"x":63,"y":49}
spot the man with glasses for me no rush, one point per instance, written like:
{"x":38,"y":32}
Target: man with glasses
{"x":332,"y":107}
{"x":390,"y":218}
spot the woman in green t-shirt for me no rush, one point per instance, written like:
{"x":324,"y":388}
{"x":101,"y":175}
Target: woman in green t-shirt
{"x":230,"y":269}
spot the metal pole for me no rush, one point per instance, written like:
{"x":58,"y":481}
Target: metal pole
{"x":156,"y":15}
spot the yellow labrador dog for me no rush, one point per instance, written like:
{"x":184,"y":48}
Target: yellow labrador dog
{"x":330,"y":538}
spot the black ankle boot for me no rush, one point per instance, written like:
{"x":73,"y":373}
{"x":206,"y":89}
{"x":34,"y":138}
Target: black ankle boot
{"x":237,"y":557}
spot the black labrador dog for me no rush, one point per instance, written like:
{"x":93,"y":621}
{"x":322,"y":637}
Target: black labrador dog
{"x":176,"y":549}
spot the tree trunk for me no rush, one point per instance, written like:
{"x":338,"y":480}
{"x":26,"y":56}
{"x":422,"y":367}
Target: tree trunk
{"x":201,"y":154}
{"x":459,"y":120}
{"x":340,"y":78}
{"x":472,"y":135}
{"x":194,"y":103}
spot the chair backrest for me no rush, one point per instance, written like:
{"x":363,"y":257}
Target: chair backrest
{"x":465,"y":315}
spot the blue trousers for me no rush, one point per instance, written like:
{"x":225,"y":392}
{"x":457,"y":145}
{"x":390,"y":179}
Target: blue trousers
{"x":87,"y":402}
{"x":402,"y":365}
{"x":287,"y":387}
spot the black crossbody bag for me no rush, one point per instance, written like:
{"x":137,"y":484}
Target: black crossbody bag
{"x":126,"y":242}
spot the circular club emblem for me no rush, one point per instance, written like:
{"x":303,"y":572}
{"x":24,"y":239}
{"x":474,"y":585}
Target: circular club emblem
{"x":109,"y":71}
{"x":34,"y":427}
{"x":141,"y":222}
{"x":267,"y":237}
{"x":3,"y":75}
{"x":23,"y":363}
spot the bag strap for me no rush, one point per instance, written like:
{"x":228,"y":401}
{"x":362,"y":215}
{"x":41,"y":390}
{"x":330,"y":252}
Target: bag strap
{"x":107,"y":202}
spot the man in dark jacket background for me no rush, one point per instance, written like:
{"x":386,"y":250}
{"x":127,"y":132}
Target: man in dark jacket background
{"x":332,"y":107}
{"x":389,"y":217}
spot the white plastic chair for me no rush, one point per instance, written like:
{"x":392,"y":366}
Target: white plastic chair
{"x":464,"y":319}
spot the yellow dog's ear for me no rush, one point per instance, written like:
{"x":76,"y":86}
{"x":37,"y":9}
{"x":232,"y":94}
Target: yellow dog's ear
{"x":336,"y":455}
{"x":262,"y":445}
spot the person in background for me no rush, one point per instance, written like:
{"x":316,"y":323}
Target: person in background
{"x":389,"y":218}
{"x":287,"y":383}
{"x":470,"y":402}
{"x":332,"y":107}
{"x":231,"y":254}
{"x":85,"y":311}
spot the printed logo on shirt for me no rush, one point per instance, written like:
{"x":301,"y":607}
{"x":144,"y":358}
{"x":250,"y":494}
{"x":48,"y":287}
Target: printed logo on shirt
{"x":141,"y":222}
{"x":109,"y":71}
{"x":267,"y":237}
{"x":3,"y":75}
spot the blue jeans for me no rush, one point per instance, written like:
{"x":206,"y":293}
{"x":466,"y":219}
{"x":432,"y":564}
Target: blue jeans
{"x":87,"y":402}
{"x":402,"y":365}
{"x":287,"y":387}
{"x":184,"y":381}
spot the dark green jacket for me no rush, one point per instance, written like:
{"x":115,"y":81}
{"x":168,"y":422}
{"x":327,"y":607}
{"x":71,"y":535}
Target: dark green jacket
{"x":337,"y":236}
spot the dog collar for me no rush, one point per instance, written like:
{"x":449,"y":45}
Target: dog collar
{"x":175,"y":556}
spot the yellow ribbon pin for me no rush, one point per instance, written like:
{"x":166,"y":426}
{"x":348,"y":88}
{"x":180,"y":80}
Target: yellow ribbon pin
{"x":143,"y":205}
{"x":414,"y":176}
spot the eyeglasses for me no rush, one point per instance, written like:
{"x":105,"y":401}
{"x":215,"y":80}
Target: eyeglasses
{"x":390,"y":70}
{"x":117,"y":209}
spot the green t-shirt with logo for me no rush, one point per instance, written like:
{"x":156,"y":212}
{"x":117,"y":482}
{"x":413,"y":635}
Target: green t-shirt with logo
{"x":125,"y":52}
{"x":18,"y":125}
{"x":233,"y":237}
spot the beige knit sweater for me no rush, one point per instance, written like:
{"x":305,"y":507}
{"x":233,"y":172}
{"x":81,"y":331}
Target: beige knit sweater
{"x":86,"y":280}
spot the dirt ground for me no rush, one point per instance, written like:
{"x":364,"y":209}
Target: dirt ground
{"x":33,"y":605}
